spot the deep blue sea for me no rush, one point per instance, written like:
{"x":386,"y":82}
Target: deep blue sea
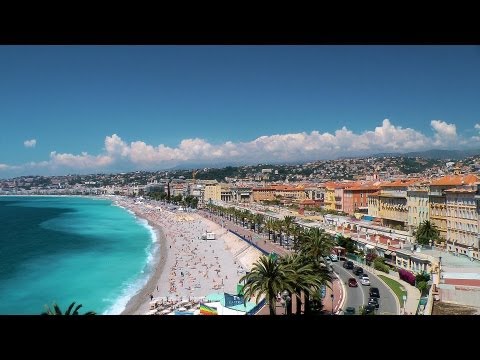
{"x":66,"y":249}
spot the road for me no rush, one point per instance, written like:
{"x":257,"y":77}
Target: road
{"x":359,"y":295}
{"x":355,"y":296}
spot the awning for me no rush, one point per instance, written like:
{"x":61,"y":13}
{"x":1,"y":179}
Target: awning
{"x":368,"y":246}
{"x":388,"y":252}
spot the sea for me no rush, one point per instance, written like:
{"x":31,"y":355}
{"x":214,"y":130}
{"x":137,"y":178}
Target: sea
{"x":56,"y":249}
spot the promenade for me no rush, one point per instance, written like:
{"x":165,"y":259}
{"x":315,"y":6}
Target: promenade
{"x":261,"y":241}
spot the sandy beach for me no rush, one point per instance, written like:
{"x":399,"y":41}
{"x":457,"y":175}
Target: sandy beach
{"x":188,"y":267}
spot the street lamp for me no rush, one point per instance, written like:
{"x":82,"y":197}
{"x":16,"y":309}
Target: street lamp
{"x":331,"y":295}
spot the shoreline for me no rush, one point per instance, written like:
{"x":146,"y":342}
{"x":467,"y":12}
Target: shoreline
{"x":186,"y":266}
{"x":134,"y":303}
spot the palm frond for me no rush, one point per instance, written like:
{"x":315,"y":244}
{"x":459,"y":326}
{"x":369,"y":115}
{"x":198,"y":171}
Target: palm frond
{"x":70,"y":308}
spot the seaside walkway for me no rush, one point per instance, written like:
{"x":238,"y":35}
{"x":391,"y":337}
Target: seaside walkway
{"x":262,"y":242}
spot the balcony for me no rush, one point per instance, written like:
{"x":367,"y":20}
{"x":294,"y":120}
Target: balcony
{"x":436,"y":193}
{"x":396,"y":194}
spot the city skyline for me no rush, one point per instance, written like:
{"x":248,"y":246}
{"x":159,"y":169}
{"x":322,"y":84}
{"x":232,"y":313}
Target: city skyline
{"x":87,"y":109}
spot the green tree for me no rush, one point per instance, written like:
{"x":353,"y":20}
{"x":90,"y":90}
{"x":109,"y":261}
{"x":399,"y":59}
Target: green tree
{"x":422,"y":286}
{"x":317,"y":244}
{"x":270,"y":225}
{"x":267,"y":278}
{"x":427,"y":232}
{"x":55,"y":310}
{"x":306,"y":277}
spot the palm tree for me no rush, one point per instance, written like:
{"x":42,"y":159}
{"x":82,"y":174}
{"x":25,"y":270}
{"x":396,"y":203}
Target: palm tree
{"x":269,"y":224}
{"x":427,"y":232}
{"x":288,"y":222}
{"x":278,"y":227}
{"x":268,"y":277}
{"x":317,"y":244}
{"x":306,"y":278}
{"x":259,"y":219}
{"x":296,"y":232}
{"x":56,"y":310}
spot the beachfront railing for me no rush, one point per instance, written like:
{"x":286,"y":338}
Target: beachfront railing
{"x":257,"y":308}
{"x":250,"y":242}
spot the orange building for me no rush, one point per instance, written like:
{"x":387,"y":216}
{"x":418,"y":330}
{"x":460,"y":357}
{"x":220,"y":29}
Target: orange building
{"x":355,"y":198}
{"x":266,"y":193}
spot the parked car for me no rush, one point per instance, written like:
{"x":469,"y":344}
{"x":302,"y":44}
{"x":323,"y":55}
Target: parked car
{"x":364,"y":280}
{"x":349,"y":311}
{"x":348,"y":264}
{"x":374,"y":301}
{"x":333,"y":257}
{"x":352,"y":282}
{"x":358,"y":271}
{"x":374,"y":292}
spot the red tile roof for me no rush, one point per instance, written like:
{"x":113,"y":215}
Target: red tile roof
{"x":455,"y":180}
{"x":400,"y":183}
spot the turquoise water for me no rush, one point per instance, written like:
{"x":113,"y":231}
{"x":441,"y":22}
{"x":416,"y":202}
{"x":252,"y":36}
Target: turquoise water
{"x":67,"y":249}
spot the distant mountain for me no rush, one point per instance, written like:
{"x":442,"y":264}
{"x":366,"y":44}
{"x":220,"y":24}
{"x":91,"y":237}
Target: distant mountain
{"x":436,"y":154}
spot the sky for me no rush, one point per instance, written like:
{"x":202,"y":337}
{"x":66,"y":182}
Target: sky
{"x":98,"y":109}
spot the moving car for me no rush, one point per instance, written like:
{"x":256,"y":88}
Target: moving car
{"x":364,"y":280}
{"x":374,"y":302}
{"x":349,"y":311}
{"x":374,"y":292}
{"x":333,"y":257}
{"x":358,"y":271}
{"x":369,"y":309}
{"x":352,"y":282}
{"x":348,"y":264}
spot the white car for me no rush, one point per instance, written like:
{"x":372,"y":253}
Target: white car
{"x":333,"y":257}
{"x":364,"y":280}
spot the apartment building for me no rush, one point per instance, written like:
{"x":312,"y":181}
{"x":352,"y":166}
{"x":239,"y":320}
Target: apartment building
{"x":392,"y":202}
{"x":418,"y":204}
{"x":355,"y":198}
{"x":212,"y":192}
{"x":437,"y":198}
{"x":462,"y":220}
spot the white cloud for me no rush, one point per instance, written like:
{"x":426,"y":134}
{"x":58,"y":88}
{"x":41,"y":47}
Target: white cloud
{"x":4,"y":166}
{"x":286,"y":147}
{"x":445,"y":134}
{"x":83,"y":161}
{"x":477,"y":126}
{"x":30,"y":143}
{"x":276,"y":148}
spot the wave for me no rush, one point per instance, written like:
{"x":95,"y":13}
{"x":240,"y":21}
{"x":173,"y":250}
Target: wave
{"x":130,"y":289}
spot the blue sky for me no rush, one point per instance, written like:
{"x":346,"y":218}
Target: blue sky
{"x":115,"y":108}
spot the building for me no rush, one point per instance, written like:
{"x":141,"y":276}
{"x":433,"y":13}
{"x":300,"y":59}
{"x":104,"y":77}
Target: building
{"x":265,"y":193}
{"x":355,"y":198}
{"x":418,"y":204}
{"x":226,"y":193}
{"x":317,"y":194}
{"x":392,"y":202}
{"x":330,"y":203}
{"x":242,"y":194}
{"x":437,"y":198}
{"x":212,"y":192}
{"x":290,"y":193}
{"x":462,"y":220}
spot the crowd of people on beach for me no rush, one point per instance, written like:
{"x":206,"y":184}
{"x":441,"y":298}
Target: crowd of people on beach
{"x":194,"y":266}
